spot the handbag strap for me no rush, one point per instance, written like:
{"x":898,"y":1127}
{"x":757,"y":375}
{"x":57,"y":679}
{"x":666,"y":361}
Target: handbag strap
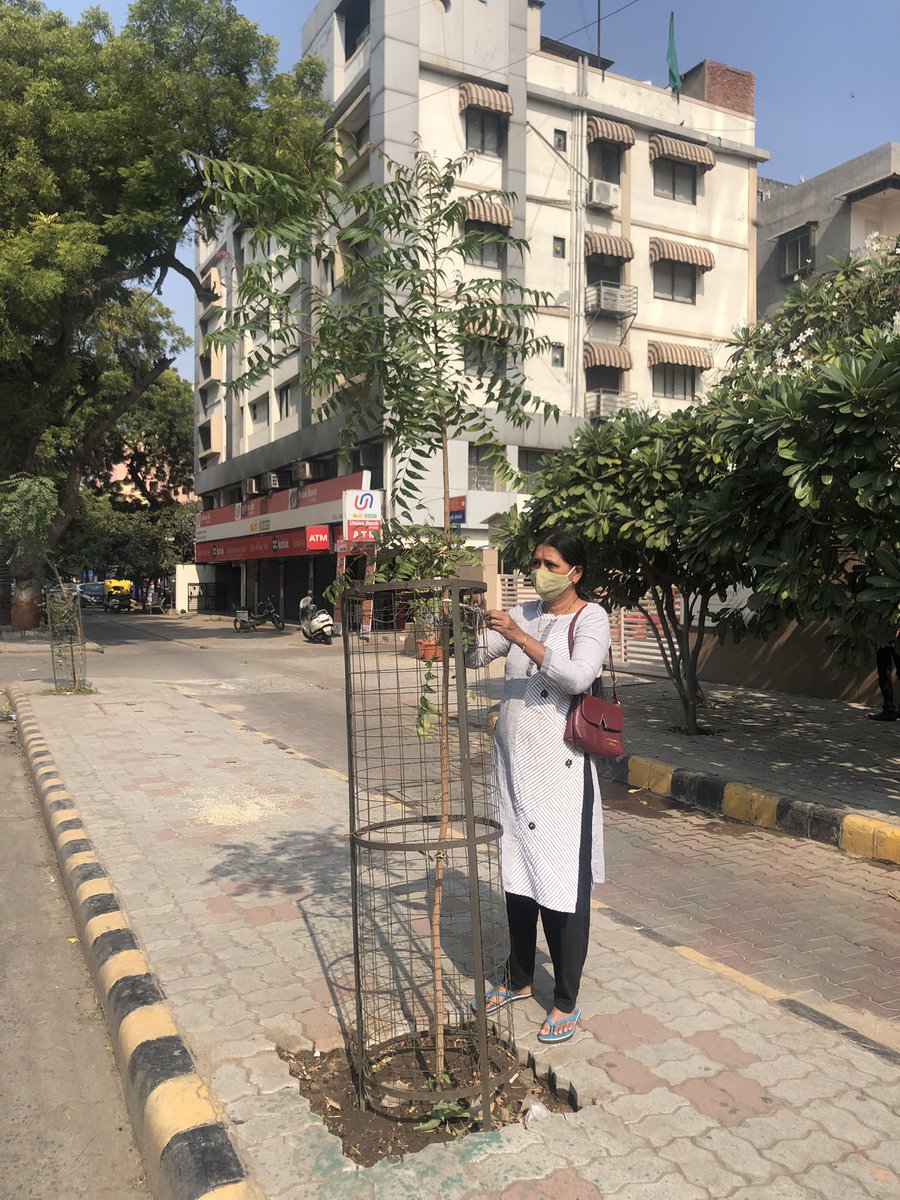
{"x":612,"y":667}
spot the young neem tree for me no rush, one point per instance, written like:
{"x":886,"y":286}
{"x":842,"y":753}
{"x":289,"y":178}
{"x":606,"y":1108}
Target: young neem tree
{"x":412,"y":345}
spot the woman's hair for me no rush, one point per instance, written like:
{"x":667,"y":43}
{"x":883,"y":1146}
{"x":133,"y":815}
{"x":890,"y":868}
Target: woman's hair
{"x":570,"y":548}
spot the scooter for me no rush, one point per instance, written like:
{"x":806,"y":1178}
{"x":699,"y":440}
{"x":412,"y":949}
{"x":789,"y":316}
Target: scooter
{"x":316,"y":624}
{"x":251,"y":618}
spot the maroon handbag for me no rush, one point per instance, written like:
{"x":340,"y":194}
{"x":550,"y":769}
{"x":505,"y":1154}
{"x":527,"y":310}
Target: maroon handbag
{"x":594,"y":725}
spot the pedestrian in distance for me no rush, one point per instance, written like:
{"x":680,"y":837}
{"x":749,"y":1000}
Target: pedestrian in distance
{"x":547,"y":793}
{"x":887,"y":664}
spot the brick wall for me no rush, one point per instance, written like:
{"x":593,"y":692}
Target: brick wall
{"x":721,"y":85}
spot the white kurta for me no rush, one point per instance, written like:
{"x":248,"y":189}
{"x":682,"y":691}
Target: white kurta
{"x":539,"y":779}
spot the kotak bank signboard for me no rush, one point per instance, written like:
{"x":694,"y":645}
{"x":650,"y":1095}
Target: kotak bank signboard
{"x":362,"y":515}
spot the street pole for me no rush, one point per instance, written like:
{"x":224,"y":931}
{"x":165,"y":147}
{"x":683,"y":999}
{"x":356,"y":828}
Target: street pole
{"x":599,"y":20}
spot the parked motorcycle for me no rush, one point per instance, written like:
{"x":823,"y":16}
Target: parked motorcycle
{"x":316,"y":624}
{"x":252,"y":618}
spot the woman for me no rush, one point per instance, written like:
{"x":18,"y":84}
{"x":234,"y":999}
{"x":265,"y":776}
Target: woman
{"x":547,"y":793}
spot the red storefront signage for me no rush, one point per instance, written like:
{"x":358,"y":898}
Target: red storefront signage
{"x":318,"y":537}
{"x":263,"y":545}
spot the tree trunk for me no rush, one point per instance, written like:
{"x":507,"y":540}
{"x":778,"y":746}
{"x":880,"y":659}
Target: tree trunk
{"x":28,"y":579}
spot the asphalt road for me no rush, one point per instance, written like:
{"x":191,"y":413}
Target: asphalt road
{"x":64,"y":1129}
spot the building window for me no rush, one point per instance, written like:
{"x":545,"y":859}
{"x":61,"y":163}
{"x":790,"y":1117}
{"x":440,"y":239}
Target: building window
{"x":603,"y":379}
{"x":675,"y":281}
{"x":797,"y":255}
{"x":531,"y":463}
{"x":605,"y":161}
{"x":259,"y":410}
{"x":484,"y":357}
{"x":557,"y":355}
{"x":284,"y":401}
{"x":673,"y":382}
{"x":485,"y":253}
{"x":355,"y":15}
{"x":484,"y":131}
{"x":559,"y":247}
{"x":482,"y":476}
{"x":560,"y":140}
{"x":603,"y":268}
{"x":675,"y":180}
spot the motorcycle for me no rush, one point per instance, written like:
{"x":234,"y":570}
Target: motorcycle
{"x":316,"y":624}
{"x":252,"y":618}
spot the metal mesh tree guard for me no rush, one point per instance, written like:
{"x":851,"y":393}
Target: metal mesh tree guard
{"x":66,"y":641}
{"x":429,"y":917}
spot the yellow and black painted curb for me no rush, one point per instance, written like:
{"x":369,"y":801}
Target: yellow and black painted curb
{"x":864,"y":836}
{"x":180,"y":1128}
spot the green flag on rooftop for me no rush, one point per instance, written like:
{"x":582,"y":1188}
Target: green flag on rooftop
{"x":672,"y":58}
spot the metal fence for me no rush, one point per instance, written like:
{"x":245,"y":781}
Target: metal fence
{"x":67,"y":651}
{"x":429,"y":915}
{"x":207,"y":597}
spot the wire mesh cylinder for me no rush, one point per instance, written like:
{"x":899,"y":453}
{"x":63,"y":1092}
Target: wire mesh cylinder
{"x":430,"y":931}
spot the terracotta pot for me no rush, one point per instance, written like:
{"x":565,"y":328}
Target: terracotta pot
{"x":428,"y":650}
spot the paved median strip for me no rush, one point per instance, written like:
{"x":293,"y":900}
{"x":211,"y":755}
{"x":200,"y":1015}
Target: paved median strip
{"x":180,"y":1128}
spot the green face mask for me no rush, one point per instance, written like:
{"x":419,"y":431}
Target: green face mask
{"x":549,"y":585}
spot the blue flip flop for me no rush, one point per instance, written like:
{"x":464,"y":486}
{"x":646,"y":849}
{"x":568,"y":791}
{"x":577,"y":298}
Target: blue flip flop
{"x":500,"y":997}
{"x":553,"y":1036}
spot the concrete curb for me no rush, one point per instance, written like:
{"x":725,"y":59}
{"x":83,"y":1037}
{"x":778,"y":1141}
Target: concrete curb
{"x":180,"y":1129}
{"x":866,"y":837}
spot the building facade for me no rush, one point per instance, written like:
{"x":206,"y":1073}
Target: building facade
{"x":803,"y":226}
{"x":639,"y":208}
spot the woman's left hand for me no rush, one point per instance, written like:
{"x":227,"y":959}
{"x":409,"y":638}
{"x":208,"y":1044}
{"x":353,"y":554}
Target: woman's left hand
{"x":501,"y":622}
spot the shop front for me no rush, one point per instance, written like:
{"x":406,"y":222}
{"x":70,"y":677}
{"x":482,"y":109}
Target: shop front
{"x":283,"y":544}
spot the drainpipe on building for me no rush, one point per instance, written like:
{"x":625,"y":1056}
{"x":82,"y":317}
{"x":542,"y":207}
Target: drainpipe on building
{"x":577,"y":193}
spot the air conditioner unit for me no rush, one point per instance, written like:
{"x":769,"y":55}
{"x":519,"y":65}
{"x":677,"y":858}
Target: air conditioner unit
{"x":250,"y":487}
{"x":269,"y":481}
{"x":301,"y":472}
{"x":602,"y":194}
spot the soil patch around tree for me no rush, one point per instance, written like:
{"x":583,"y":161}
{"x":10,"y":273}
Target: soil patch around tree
{"x":329,"y":1082}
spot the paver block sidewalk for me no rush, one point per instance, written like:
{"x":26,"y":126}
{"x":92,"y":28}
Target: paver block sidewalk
{"x":795,"y":746}
{"x":230,"y":855}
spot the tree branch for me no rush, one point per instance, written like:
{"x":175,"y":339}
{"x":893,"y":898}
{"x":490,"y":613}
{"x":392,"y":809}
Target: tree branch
{"x":92,"y":436}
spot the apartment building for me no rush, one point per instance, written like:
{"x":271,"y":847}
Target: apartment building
{"x":639,"y":207}
{"x":803,"y":226}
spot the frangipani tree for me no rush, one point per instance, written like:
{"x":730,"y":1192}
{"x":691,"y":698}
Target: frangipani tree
{"x":809,"y":416}
{"x":644,"y":491}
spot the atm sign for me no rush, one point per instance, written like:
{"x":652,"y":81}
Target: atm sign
{"x":318,"y":537}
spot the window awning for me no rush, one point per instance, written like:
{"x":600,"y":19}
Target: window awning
{"x":489,"y":212}
{"x":607,"y":354}
{"x":678,"y":355}
{"x":476,"y":95}
{"x":662,"y":146}
{"x":601,"y":129}
{"x":604,"y":243}
{"x":663,"y":250}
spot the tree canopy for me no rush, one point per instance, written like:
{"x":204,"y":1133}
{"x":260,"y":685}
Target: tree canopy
{"x":100,"y":196}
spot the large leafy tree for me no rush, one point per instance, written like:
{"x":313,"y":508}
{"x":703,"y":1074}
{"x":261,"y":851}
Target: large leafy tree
{"x":100,"y":195}
{"x":809,"y":418}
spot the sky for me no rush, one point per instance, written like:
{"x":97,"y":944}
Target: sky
{"x":826,"y":73}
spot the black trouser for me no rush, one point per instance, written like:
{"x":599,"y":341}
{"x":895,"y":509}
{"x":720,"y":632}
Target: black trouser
{"x":887,"y":661}
{"x":566,"y":933}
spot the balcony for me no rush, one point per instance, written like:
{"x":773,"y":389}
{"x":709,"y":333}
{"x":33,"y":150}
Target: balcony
{"x":618,"y":300}
{"x":600,"y":406}
{"x":209,"y":367}
{"x":209,"y":439}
